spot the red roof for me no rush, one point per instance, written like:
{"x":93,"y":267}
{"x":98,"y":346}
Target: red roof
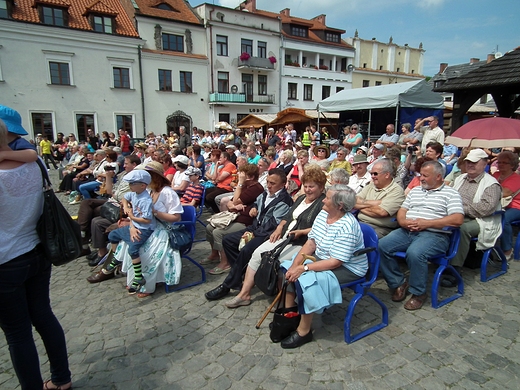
{"x":78,"y":12}
{"x":180,"y":10}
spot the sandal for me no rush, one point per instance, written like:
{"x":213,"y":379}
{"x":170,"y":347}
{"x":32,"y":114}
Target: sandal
{"x":60,"y":387}
{"x":219,"y":271}
{"x":143,"y":295}
{"x":209,"y":261}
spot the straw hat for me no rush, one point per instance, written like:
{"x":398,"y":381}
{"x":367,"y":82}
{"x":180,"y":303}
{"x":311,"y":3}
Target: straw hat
{"x":155,"y":167}
{"x":317,"y":147}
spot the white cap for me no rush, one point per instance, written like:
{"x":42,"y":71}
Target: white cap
{"x":182,"y":159}
{"x":476,"y":155}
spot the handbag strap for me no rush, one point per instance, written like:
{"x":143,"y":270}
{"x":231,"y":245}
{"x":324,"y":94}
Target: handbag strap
{"x":283,"y":293}
{"x":281,"y":246}
{"x":46,"y":181}
{"x":515,"y":194}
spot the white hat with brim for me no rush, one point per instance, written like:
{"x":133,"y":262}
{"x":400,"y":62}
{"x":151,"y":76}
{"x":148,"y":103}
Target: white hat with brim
{"x":476,"y":155}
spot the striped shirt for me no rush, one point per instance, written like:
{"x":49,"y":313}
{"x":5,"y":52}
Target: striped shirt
{"x":340,"y":240}
{"x":433,"y":204}
{"x":193,"y":192}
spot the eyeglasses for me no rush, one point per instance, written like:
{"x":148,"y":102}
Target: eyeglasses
{"x":264,"y":160}
{"x":321,"y":150}
{"x":374,"y":173}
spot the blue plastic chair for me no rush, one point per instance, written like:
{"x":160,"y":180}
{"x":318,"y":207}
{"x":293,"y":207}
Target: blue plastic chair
{"x":443,"y":262}
{"x":360,"y":288}
{"x":189,"y":220}
{"x":516,"y":250}
{"x":486,"y":261}
{"x":199,"y":211}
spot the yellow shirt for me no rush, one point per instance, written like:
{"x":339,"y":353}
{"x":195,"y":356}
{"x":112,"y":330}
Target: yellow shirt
{"x":45,"y":147}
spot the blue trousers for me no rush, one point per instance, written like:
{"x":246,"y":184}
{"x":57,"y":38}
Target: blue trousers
{"x":123,"y":234}
{"x":24,"y":302}
{"x":84,"y":189}
{"x":506,"y":239}
{"x":419,"y":247}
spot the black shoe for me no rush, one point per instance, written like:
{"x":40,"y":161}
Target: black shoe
{"x":217,"y":293}
{"x":295,"y":340}
{"x":94,"y":262}
{"x":449,"y":281}
{"x":85,"y":252}
{"x":93,"y":255}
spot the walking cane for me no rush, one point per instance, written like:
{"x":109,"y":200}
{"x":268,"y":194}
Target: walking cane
{"x":277,"y":298}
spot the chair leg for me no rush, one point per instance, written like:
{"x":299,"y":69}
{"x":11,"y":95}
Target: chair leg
{"x":170,"y":289}
{"x":485,"y":262}
{"x":516,"y":253}
{"x":350,"y":313}
{"x":435,"y":286}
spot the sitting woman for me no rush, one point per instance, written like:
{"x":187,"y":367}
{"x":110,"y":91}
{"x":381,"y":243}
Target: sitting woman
{"x":297,"y":223}
{"x":159,"y":262}
{"x":294,"y":178}
{"x":333,"y":239}
{"x":169,"y":169}
{"x":285,"y":161}
{"x":69,"y":175}
{"x":341,"y":161}
{"x":510,"y":182}
{"x":180,"y":180}
{"x":248,"y":189}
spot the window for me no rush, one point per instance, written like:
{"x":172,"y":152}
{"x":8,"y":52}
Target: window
{"x":262,"y":49}
{"x":398,"y":69}
{"x":4,"y":12}
{"x":172,"y":42}
{"x":186,"y":84}
{"x":53,"y":16}
{"x":292,"y":92}
{"x":262,"y":84}
{"x":121,"y":77}
{"x":247,"y":82}
{"x":222,"y":45}
{"x":224,"y":117}
{"x":83,"y":123}
{"x":307,"y":92}
{"x":413,"y":71}
{"x":366,"y":83}
{"x":332,"y":37}
{"x":165,"y":80}
{"x":125,"y":122}
{"x":288,"y":59}
{"x":223,"y":82}
{"x":325,"y":91}
{"x":42,"y":123}
{"x":364,"y":64}
{"x":241,"y":116}
{"x":102,"y":24}
{"x":378,"y":83}
{"x":164,"y":7}
{"x":247,"y":46}
{"x":59,"y":73}
{"x":339,"y":89}
{"x":299,"y":31}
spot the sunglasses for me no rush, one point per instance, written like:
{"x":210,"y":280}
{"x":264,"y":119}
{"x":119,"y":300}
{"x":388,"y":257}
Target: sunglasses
{"x":374,"y":173}
{"x":321,"y":150}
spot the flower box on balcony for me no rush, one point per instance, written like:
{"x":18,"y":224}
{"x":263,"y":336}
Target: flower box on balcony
{"x":244,"y":56}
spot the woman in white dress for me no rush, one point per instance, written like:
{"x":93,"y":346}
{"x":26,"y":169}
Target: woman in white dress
{"x":160,"y":263}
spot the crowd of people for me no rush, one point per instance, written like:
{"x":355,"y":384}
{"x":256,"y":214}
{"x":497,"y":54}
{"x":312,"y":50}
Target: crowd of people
{"x":309,"y":190}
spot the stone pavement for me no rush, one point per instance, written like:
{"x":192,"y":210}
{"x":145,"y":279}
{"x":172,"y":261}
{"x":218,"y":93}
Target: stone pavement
{"x":181,"y":341}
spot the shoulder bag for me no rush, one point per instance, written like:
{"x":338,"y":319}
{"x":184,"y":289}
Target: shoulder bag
{"x":60,"y":236}
{"x":506,"y":201}
{"x":266,"y":277}
{"x":222,"y":220}
{"x":111,"y":210}
{"x":178,"y":237}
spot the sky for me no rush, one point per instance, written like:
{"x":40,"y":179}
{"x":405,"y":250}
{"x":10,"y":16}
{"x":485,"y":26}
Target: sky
{"x":452,"y":31}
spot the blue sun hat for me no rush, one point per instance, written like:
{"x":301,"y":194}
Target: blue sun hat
{"x":12,"y":120}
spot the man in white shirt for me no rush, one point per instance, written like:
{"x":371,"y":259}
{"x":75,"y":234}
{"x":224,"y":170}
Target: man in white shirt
{"x":432,"y":132}
{"x":390,"y":138}
{"x":360,"y":174}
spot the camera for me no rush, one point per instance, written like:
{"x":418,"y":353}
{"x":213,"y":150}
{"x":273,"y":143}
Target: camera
{"x":411,"y":149}
{"x":110,"y":168}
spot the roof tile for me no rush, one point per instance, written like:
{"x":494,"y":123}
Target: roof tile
{"x":180,"y":10}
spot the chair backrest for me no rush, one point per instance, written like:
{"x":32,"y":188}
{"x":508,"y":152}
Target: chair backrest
{"x":200,"y":207}
{"x":454,"y":243}
{"x":371,"y":241}
{"x":190,"y":216}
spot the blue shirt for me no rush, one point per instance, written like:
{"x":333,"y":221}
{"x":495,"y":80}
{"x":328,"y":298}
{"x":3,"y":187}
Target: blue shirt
{"x":253,"y":160}
{"x":21,"y":144}
{"x":142,"y":208}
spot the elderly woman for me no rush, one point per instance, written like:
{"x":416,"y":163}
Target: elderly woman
{"x":180,"y":180}
{"x":338,"y":176}
{"x":159,"y":262}
{"x":340,"y":161}
{"x":333,"y":239}
{"x":25,"y":275}
{"x":297,"y":171}
{"x":402,"y":144}
{"x":248,"y":189}
{"x":297,"y":223}
{"x":510,"y":182}
{"x":285,"y":162}
{"x":321,"y":155}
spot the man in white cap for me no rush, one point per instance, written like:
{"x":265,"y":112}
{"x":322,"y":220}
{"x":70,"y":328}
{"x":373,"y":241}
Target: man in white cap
{"x":377,"y":154}
{"x":360,"y":176}
{"x":333,"y":147}
{"x":481,"y":194}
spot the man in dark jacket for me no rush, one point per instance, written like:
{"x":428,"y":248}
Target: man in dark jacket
{"x":269,"y":209}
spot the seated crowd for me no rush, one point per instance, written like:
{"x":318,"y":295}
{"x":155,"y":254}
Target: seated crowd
{"x":311,"y":192}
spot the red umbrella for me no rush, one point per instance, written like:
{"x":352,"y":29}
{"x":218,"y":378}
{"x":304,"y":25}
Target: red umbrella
{"x":487,"y":133}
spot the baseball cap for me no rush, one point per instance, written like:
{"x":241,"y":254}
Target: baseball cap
{"x":476,"y":155}
{"x":231,"y":147}
{"x":334,"y":142}
{"x":191,"y":171}
{"x":12,"y":120}
{"x":138,"y":176}
{"x":182,"y":159}
{"x":379,"y":146}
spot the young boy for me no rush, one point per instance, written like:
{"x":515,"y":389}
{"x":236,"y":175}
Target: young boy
{"x":193,"y":193}
{"x":46,"y":150}
{"x":137,"y":204}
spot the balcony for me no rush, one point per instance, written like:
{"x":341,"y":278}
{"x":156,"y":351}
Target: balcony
{"x":255,"y":63}
{"x":218,"y":97}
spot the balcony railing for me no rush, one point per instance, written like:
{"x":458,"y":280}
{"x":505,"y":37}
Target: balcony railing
{"x":256,"y":63}
{"x":218,"y":97}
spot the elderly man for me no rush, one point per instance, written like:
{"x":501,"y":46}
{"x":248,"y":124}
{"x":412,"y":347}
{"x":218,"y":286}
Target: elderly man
{"x":268,"y":210}
{"x":390,"y":138}
{"x":432,"y":132}
{"x":184,"y":139}
{"x":426,"y":210}
{"x":333,"y":146}
{"x":360,"y":176}
{"x":380,"y":200}
{"x":481,"y":195}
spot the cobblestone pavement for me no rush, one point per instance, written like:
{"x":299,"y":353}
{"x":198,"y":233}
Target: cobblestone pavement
{"x":181,"y":341}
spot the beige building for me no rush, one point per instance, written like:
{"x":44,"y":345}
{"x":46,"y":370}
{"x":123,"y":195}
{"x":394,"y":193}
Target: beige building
{"x":378,"y":63}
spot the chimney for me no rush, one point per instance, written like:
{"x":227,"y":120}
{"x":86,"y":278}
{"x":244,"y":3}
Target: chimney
{"x":249,"y":5}
{"x":490,"y":57}
{"x":474,"y":60}
{"x":286,"y":12}
{"x":320,"y":19}
{"x":443,"y":67}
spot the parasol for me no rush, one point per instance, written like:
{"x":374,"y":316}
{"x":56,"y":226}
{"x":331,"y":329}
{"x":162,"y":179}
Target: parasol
{"x":487,"y":133}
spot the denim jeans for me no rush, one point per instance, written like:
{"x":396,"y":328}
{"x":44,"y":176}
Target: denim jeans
{"x":85,"y":189}
{"x":506,"y":239}
{"x":24,"y":302}
{"x":123,"y":234}
{"x":419,"y":247}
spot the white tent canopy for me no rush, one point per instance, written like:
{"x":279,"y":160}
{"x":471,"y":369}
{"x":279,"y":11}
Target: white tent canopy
{"x":411,"y":94}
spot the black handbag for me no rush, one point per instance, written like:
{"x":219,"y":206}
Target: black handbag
{"x":59,"y":234}
{"x":111,"y":211}
{"x":179,"y":237}
{"x":266,"y":277}
{"x":285,"y":319}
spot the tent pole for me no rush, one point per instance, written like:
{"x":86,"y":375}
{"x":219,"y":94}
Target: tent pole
{"x":396,"y":118}
{"x":369,"y":123}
